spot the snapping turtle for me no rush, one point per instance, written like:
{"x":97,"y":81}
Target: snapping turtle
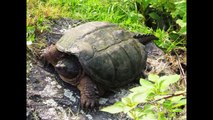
{"x":98,"y":56}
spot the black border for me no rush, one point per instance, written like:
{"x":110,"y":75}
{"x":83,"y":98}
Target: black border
{"x":13,"y":54}
{"x":199,"y":59}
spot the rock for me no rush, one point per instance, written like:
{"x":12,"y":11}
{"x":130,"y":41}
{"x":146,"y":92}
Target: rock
{"x":102,"y":101}
{"x":69,"y":94}
{"x":89,"y":117}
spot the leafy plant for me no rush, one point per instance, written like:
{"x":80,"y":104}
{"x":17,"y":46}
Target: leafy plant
{"x":151,"y":100}
{"x":129,"y":14}
{"x":30,"y":33}
{"x":38,"y":14}
{"x":167,"y":18}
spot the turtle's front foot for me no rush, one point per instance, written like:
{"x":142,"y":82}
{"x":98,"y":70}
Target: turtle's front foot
{"x":87,"y":102}
{"x":88,"y":95}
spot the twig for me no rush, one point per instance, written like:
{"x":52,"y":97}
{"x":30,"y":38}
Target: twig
{"x":180,"y":67}
{"x":166,"y":97}
{"x":169,"y":96}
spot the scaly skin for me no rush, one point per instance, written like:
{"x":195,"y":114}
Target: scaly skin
{"x":82,"y":81}
{"x":87,"y":91}
{"x":51,"y":55}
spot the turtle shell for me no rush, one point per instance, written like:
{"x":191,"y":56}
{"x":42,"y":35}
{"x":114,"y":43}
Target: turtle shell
{"x":107,"y":53}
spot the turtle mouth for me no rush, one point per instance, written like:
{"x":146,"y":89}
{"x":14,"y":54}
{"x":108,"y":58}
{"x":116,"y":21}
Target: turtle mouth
{"x":69,"y":67}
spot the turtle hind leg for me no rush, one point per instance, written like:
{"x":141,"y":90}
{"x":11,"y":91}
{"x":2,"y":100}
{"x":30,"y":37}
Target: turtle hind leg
{"x":147,"y":40}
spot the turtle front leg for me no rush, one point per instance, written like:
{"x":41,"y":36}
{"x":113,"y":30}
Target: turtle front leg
{"x":87,"y":90}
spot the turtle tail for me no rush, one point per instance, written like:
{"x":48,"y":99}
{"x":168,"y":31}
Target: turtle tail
{"x":145,"y":38}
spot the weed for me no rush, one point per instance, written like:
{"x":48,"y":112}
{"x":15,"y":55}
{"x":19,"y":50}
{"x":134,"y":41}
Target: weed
{"x":152,"y":100}
{"x":129,"y":14}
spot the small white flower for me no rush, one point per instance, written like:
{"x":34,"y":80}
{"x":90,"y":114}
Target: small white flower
{"x":29,"y":42}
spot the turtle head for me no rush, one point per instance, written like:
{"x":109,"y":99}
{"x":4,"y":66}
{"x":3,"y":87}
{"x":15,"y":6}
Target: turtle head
{"x":52,"y":55}
{"x":68,"y":67}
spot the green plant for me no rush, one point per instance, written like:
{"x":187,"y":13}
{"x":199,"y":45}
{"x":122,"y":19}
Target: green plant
{"x":129,"y":14}
{"x":39,"y":12}
{"x":124,"y":13}
{"x":168,"y":19}
{"x":151,"y":100}
{"x":30,"y":33}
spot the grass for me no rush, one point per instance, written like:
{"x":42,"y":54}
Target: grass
{"x":128,"y":14}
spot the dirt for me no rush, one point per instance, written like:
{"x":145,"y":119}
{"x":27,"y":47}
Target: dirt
{"x":49,"y":98}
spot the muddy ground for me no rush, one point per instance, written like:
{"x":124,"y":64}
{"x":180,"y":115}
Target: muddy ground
{"x":49,"y":98}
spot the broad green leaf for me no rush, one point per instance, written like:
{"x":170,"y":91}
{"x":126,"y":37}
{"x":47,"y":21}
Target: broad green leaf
{"x":115,"y":108}
{"x":157,"y":97}
{"x":180,"y":9}
{"x":159,"y":84}
{"x":167,"y":80}
{"x":131,"y":95}
{"x":161,"y":101}
{"x":176,"y":98}
{"x":146,"y":83}
{"x":184,"y":18}
{"x":138,"y":89}
{"x":131,"y":114}
{"x":144,"y":4}
{"x":161,"y":116}
{"x":138,"y":112}
{"x":161,"y":79}
{"x":181,"y":23}
{"x":182,"y":91}
{"x":180,"y":103}
{"x":177,"y":110}
{"x":167,"y":104}
{"x":154,"y":16}
{"x":126,"y":100}
{"x":126,"y":109}
{"x":182,"y":30}
{"x":112,"y":109}
{"x":141,"y":80}
{"x":128,"y":104}
{"x":147,"y":86}
{"x":149,"y":116}
{"x":152,"y":93}
{"x":140,"y":97}
{"x":148,"y":108}
{"x":153,"y":77}
{"x":119,"y":104}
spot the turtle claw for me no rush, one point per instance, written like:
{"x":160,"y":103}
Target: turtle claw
{"x":42,"y":56}
{"x":87,"y":102}
{"x":42,"y":53}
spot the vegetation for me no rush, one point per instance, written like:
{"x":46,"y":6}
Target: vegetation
{"x":166,"y":19}
{"x":152,"y":100}
{"x":145,"y":16}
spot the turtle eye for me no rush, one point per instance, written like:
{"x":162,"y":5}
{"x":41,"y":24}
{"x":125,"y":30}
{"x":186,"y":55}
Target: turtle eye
{"x":60,"y":68}
{"x":67,"y":68}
